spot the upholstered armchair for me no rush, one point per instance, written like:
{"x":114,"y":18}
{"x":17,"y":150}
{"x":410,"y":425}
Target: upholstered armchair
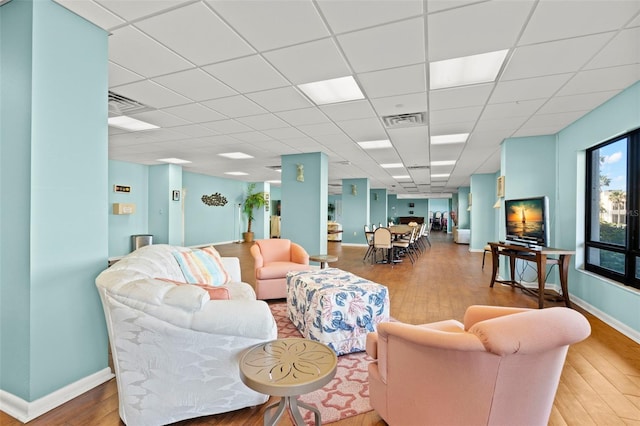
{"x":272,"y":260}
{"x":501,"y":367}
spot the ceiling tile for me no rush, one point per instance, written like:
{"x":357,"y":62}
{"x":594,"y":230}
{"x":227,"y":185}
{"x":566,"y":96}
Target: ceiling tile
{"x":193,"y":130}
{"x":283,"y":99}
{"x":135,"y":51}
{"x":624,"y":49}
{"x":195,"y":113}
{"x":512,"y":109}
{"x":252,"y":137}
{"x":583,"y":102}
{"x":554,"y":57}
{"x":160,"y":118}
{"x":562,"y":19}
{"x":321,"y":129}
{"x":553,"y":123}
{"x":298,"y":117}
{"x":274,"y":24}
{"x":248,"y":74}
{"x":350,"y":15}
{"x":404,"y":104}
{"x":263,"y":122}
{"x":227,"y":126}
{"x":464,"y":31}
{"x":395,"y":81}
{"x":151,"y":94}
{"x":530,"y":88}
{"x":195,"y":84}
{"x":387,"y":46}
{"x":196,"y":33}
{"x":601,"y":80}
{"x":300,"y":63}
{"x":235,"y":106}
{"x":93,"y":12}
{"x":459,"y":97}
{"x":365,"y":129}
{"x":349,"y":110}
{"x":119,"y":75}
{"x":458,"y":115}
{"x":284,"y":133}
{"x":131,"y":10}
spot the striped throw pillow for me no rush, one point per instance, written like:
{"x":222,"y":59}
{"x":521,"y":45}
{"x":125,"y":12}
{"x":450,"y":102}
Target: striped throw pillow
{"x":202,"y":266}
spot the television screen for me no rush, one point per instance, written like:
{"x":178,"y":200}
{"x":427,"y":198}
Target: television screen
{"x":527,"y":221}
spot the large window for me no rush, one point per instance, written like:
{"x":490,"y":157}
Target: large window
{"x":613,"y":206}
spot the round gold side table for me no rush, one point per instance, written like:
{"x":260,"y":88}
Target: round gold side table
{"x":288,"y":368}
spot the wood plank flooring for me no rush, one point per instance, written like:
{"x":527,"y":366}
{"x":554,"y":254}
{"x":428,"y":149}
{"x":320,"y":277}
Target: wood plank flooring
{"x":600,"y":383}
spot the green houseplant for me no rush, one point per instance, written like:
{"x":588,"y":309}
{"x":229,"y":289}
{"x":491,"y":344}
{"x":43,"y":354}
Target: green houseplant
{"x":254,"y":200}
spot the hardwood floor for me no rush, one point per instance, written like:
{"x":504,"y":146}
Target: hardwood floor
{"x":600,"y":383}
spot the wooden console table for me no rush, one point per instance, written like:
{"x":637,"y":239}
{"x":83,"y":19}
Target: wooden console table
{"x":540,"y":257}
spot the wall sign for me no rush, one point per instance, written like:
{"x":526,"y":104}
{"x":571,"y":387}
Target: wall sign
{"x":121,"y":188}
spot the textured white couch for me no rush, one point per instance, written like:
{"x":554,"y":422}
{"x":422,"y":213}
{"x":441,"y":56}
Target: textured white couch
{"x":174,"y":350}
{"x":461,"y":236}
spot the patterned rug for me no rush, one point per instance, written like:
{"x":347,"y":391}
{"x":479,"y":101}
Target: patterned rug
{"x":347,"y":394}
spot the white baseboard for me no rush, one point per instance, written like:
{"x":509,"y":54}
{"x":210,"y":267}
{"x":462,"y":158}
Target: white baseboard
{"x":354,"y":244}
{"x":26,"y":411}
{"x":602,"y":316}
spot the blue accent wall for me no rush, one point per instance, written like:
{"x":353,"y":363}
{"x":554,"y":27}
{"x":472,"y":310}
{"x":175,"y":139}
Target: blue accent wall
{"x":56,"y":125}
{"x":122,"y":226}
{"x":378,"y":206}
{"x":483,"y":197}
{"x":355,"y":210}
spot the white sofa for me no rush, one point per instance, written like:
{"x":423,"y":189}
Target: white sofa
{"x":461,"y":236}
{"x":174,"y":350}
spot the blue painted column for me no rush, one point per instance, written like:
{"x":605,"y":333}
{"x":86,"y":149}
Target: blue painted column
{"x":165,"y":214}
{"x":305,"y":179}
{"x":355,"y":210}
{"x":54,"y":216}
{"x":378,"y":205}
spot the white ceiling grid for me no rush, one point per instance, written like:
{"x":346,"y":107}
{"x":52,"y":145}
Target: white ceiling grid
{"x":221,"y":76}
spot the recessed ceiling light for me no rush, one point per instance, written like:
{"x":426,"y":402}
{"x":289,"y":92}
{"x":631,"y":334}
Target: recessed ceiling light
{"x":128,"y":123}
{"x":392,"y":165}
{"x":236,"y":173}
{"x":402,"y":177}
{"x":455,"y":138}
{"x":332,"y":91}
{"x":443,"y":163}
{"x":375,"y":144}
{"x":466,"y":70}
{"x":173,"y":160}
{"x":236,"y":155}
{"x":441,"y":175}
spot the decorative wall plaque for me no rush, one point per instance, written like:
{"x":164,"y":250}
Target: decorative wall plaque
{"x":215,"y":200}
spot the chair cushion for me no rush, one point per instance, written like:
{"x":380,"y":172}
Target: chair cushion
{"x":275,"y":250}
{"x":279,"y":270}
{"x":202,"y":266}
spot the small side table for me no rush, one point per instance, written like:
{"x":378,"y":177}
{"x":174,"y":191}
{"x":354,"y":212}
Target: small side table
{"x":288,"y":368}
{"x":324,"y":259}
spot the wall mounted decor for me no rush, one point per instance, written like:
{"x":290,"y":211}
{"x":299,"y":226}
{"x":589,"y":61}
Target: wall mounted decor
{"x":354,"y":190}
{"x":215,"y":200}
{"x":121,"y":188}
{"x":500,"y":187}
{"x":175,"y":195}
{"x":300,"y":172}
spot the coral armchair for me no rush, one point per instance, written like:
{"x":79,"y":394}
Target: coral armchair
{"x":501,"y":367}
{"x":272,"y":260}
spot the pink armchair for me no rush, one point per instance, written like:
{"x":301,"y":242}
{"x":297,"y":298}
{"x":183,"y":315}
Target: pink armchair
{"x":501,"y":367}
{"x":272,"y":260}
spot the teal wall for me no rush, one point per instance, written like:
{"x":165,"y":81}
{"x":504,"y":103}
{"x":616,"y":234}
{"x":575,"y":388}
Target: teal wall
{"x":165,"y":217}
{"x":618,"y":115}
{"x":304,"y":204}
{"x":355,"y":210}
{"x":483,"y":193}
{"x":54,"y":70}
{"x":464,"y":216}
{"x":212,"y":224}
{"x":378,"y":206}
{"x":122,"y":226}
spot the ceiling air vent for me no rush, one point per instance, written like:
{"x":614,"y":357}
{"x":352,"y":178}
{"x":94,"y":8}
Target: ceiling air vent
{"x":418,"y":167}
{"x":121,"y":105}
{"x":404,"y":120}
{"x":276,"y":168}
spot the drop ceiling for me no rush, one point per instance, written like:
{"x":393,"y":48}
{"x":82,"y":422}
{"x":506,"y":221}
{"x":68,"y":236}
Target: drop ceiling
{"x":221,"y":76}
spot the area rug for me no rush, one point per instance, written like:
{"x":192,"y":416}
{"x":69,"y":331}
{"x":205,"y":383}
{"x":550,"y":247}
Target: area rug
{"x":347,"y":394}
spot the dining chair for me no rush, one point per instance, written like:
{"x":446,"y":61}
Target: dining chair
{"x":405,"y":246}
{"x":368,"y":234}
{"x":382,"y":241}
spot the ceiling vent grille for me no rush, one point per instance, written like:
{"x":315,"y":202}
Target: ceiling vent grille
{"x":121,"y":105}
{"x":404,"y":120}
{"x":418,"y":167}
{"x":276,"y":168}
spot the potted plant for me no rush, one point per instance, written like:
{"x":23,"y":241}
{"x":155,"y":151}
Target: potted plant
{"x":254,"y":200}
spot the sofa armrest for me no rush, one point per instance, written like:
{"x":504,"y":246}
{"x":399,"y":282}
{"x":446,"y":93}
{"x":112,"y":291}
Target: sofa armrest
{"x":245,"y":318}
{"x":258,"y":260}
{"x":232,"y":266}
{"x":299,"y":254}
{"x":477,"y":313}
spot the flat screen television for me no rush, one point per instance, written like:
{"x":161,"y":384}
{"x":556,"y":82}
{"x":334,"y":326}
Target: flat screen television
{"x":527,"y":221}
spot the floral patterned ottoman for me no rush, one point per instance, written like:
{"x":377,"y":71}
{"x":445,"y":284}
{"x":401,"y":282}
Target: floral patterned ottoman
{"x":336,"y":307}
